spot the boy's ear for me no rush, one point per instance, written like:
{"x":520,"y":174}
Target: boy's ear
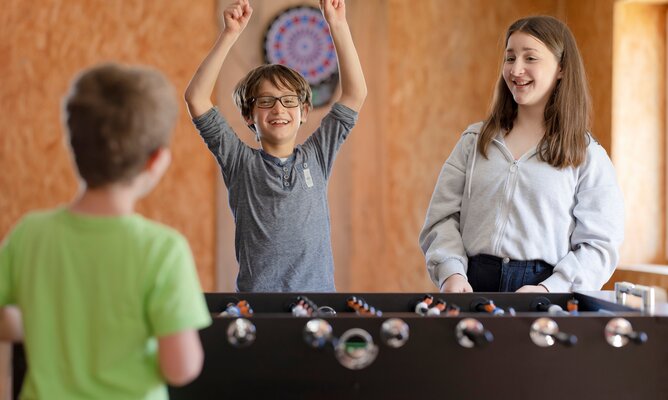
{"x":159,"y":160}
{"x":305,"y":110}
{"x":250,"y":123}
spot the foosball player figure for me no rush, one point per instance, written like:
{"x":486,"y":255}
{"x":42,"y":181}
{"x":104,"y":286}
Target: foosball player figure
{"x":423,"y":307}
{"x":438,"y":308}
{"x":572,"y":306}
{"x":356,"y":304}
{"x":245,"y":308}
{"x":300,"y":308}
{"x":231,"y":310}
{"x":352,"y":303}
{"x":491,"y":308}
{"x":370,"y":311}
{"x":452,"y":310}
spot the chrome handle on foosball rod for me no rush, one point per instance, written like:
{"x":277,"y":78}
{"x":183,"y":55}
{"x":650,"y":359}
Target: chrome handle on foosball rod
{"x":618,"y":332}
{"x":470,"y":333}
{"x":394,"y":332}
{"x":545,"y":333}
{"x":317,"y":333}
{"x":646,"y":293}
{"x":355,"y":349}
{"x":241,"y":332}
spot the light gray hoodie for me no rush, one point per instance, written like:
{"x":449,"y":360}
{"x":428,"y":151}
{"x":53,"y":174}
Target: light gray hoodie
{"x":572,"y":218}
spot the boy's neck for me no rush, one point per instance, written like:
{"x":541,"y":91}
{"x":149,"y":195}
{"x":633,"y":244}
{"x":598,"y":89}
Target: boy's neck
{"x":113,"y":200}
{"x":279,"y":151}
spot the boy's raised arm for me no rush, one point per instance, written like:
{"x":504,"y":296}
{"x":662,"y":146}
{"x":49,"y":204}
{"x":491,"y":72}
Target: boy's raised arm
{"x":353,"y":85}
{"x":200,"y":88}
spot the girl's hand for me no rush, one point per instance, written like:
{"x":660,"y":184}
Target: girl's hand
{"x":334,"y":11}
{"x":236,"y":16}
{"x":456,"y":284}
{"x":532,"y":289}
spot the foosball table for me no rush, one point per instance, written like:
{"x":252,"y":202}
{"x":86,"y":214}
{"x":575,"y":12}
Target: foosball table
{"x":402,"y":345}
{"x":459,"y":346}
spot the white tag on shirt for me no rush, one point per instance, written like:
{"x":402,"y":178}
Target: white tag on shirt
{"x":307,"y":177}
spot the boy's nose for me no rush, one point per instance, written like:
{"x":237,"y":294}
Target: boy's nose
{"x":278,"y":107}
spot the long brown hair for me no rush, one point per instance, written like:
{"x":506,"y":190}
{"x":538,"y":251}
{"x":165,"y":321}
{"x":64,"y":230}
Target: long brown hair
{"x":567,"y":112}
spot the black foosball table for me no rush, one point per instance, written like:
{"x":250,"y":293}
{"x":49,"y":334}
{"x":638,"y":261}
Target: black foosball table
{"x":454,"y":346}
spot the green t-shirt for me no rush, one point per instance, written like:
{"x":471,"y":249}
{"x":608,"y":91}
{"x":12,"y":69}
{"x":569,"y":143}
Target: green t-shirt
{"x":94,"y":293}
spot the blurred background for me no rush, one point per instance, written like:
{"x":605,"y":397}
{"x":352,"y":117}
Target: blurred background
{"x":430,"y":66}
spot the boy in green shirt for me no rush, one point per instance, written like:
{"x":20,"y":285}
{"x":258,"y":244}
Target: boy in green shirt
{"x":110,"y":301}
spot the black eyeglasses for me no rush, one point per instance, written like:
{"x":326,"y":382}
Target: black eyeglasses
{"x":288,"y":101}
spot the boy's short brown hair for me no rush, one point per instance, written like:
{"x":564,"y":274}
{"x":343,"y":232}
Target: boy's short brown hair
{"x":279,"y":76}
{"x":116,"y":117}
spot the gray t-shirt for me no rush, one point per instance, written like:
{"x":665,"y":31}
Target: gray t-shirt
{"x":280,"y":209}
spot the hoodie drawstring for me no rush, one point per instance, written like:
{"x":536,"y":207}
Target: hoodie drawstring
{"x":475,"y":153}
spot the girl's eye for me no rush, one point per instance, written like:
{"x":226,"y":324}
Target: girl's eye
{"x":510,"y":59}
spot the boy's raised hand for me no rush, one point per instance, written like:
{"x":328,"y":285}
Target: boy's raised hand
{"x":236,"y":16}
{"x":333,"y":10}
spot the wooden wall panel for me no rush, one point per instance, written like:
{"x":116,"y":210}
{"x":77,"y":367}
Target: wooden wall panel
{"x":639,"y":127}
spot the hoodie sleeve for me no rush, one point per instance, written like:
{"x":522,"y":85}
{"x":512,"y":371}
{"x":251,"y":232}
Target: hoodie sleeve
{"x":598,"y":216}
{"x":440,"y":238}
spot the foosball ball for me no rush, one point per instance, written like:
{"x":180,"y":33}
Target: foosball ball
{"x":401,"y":345}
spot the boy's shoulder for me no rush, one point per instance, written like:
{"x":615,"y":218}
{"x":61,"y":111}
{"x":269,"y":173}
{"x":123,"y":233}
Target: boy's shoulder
{"x":133,"y":225}
{"x":38,"y":218}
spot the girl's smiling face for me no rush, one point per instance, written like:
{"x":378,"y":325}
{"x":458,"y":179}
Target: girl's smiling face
{"x":531,"y":71}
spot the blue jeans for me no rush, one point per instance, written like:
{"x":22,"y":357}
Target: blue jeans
{"x":494,"y":274}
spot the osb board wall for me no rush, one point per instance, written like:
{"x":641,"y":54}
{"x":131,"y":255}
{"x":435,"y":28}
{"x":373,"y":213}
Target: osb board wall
{"x":44,"y":43}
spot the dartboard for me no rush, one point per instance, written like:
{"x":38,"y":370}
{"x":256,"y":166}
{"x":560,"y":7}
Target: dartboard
{"x":299,"y":38}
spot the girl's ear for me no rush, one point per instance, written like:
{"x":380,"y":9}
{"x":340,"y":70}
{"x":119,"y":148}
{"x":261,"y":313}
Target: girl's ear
{"x":305,"y":110}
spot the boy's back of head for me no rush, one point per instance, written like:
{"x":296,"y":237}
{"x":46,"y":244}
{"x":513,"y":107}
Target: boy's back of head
{"x":116,"y":118}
